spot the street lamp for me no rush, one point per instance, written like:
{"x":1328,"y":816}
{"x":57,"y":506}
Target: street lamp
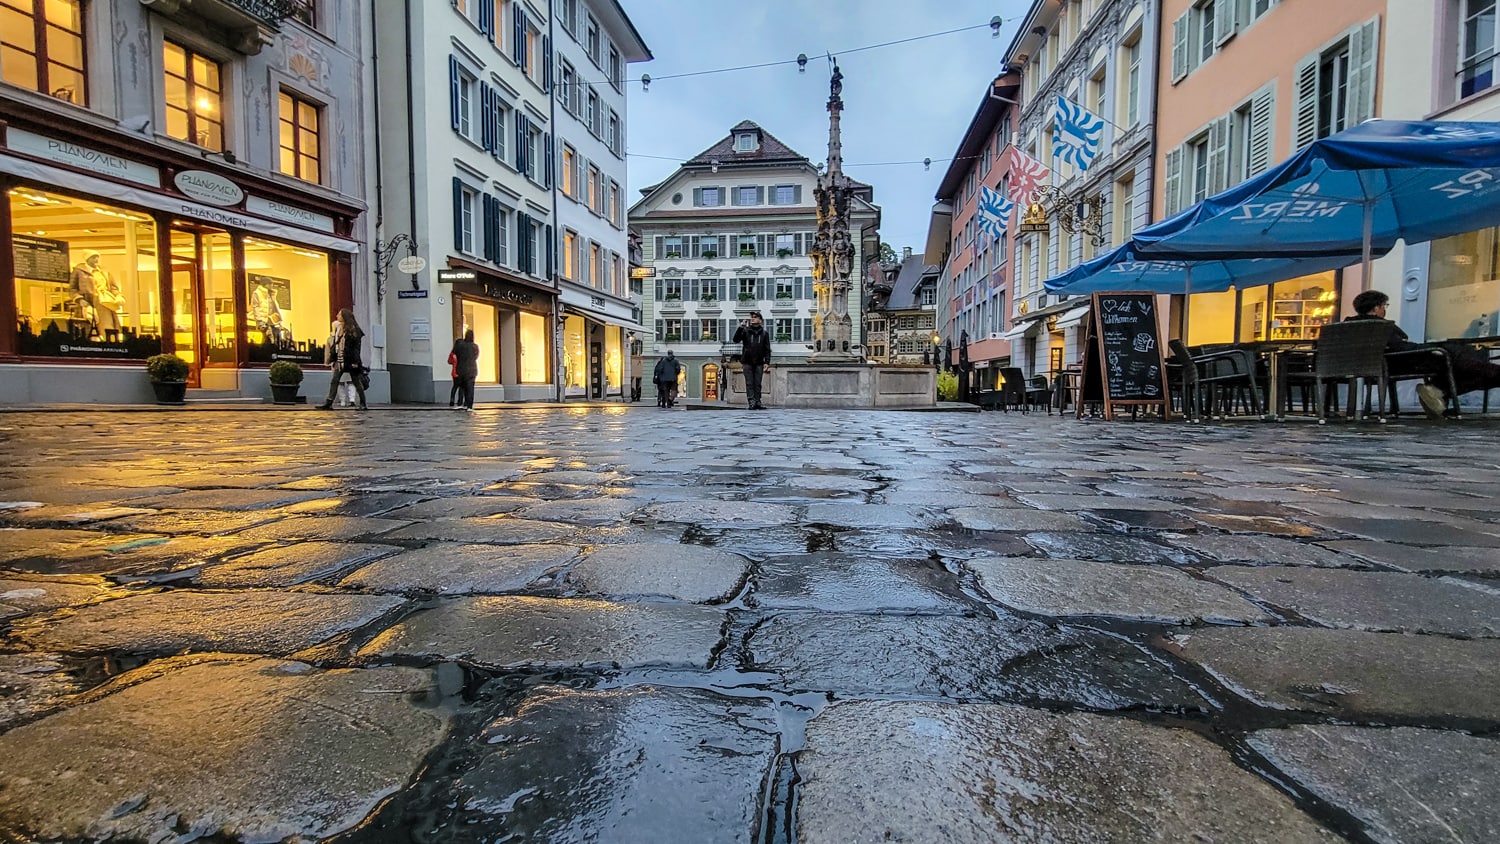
{"x":936,"y":358}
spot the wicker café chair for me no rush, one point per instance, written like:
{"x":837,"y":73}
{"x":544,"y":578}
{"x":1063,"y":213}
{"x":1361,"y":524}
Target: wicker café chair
{"x":1349,"y":353}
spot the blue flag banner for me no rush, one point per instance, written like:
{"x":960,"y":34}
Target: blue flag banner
{"x":993,"y":212}
{"x":1076,"y":134}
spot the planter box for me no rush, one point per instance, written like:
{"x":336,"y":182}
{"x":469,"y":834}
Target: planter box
{"x":287,"y":394}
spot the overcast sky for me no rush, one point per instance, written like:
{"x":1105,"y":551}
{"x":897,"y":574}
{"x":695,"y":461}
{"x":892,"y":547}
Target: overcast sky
{"x":905,"y":102}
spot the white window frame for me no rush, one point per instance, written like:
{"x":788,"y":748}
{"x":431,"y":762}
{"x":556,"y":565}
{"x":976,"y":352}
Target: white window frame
{"x":1469,"y":55}
{"x":790,"y":197}
{"x":468,"y":210}
{"x":467,"y":85}
{"x":744,"y":142}
{"x":746,"y":195}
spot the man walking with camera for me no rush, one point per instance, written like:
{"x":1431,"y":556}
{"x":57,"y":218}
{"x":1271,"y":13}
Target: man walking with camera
{"x":755,"y":356}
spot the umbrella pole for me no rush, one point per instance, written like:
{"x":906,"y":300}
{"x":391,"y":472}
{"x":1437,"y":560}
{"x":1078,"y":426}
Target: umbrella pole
{"x":1365,"y":256}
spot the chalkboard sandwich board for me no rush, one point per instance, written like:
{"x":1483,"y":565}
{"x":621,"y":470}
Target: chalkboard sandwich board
{"x":1123,"y":362}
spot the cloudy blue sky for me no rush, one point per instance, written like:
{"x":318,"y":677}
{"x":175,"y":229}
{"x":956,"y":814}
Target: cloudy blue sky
{"x":901,"y":103}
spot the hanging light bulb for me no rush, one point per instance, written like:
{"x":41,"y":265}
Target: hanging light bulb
{"x":801,"y":62}
{"x":926,"y":164}
{"x":995,"y":26}
{"x":645,"y":82}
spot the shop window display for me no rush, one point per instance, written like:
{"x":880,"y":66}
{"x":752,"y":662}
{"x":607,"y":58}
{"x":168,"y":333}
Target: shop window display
{"x":86,"y":278}
{"x":534,"y":340}
{"x":575,"y":356}
{"x":612,"y":358}
{"x":482,"y":320}
{"x":287,"y":302}
{"x":1463,"y":286}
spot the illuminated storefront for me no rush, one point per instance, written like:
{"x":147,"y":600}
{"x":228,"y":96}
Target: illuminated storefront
{"x":510,"y":320}
{"x":114,"y":259}
{"x":1288,"y":311}
{"x":1463,"y":287}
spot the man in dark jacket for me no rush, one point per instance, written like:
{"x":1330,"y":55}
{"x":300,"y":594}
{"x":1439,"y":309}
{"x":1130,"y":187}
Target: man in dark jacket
{"x":466,"y":363}
{"x":1471,"y":369}
{"x":755,"y":356}
{"x":665,"y":376}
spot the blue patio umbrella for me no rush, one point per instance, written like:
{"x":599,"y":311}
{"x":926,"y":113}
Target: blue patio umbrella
{"x":1125,"y":269}
{"x":1359,"y":191}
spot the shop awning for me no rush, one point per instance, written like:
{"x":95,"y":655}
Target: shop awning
{"x":1073,"y":317}
{"x":115,"y":192}
{"x":1025,"y":329}
{"x":607,"y":319}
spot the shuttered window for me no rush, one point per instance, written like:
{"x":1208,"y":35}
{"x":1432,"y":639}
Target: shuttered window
{"x":1335,"y":87}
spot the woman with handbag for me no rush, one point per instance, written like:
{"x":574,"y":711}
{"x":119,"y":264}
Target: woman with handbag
{"x":348,"y":344}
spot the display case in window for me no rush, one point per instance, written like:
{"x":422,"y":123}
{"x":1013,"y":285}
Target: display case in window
{"x":1295,"y":317}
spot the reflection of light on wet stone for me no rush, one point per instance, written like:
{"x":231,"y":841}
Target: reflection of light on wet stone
{"x":251,"y":750}
{"x":1076,"y":587}
{"x":456,"y":569}
{"x":1000,"y":773}
{"x":833,"y":582}
{"x":515,"y":632}
{"x":685,"y":572}
{"x":638,"y":764}
{"x":1380,"y":675}
{"x":1432,"y":785}
{"x":723,"y":513}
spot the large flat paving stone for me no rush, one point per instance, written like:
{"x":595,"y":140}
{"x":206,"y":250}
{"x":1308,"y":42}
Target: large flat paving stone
{"x":289,"y":565}
{"x":1103,"y":547}
{"x":207,"y":522}
{"x":976,"y":774}
{"x":257,"y":750}
{"x":254,"y":622}
{"x":1096,"y":502}
{"x":690,"y":573}
{"x":1076,"y":587}
{"x":517,"y":632}
{"x":461,"y":507}
{"x":1352,"y":674}
{"x":884,"y":516}
{"x":20,"y":597}
{"x":642,"y":764}
{"x":1371,"y":600}
{"x":1264,"y":550}
{"x":1441,"y":558}
{"x":33,"y":683}
{"x":227,"y":499}
{"x":834,"y":582}
{"x":454,"y":569}
{"x":321,"y":527}
{"x":495,"y":530}
{"x":1414,"y":531}
{"x":1432,"y":785}
{"x":1015,"y":519}
{"x":582,"y":511}
{"x":960,"y":658}
{"x":736,"y":514}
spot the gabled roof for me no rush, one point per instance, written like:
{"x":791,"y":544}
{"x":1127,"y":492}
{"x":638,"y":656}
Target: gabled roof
{"x":769,"y":149}
{"x":914,"y":272}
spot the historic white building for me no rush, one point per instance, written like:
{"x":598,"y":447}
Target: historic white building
{"x":729,"y":233}
{"x":594,"y":44}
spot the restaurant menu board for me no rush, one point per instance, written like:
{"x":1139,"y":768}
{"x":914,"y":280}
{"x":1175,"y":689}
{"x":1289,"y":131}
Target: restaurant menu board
{"x":40,"y":258}
{"x":1123,"y":357}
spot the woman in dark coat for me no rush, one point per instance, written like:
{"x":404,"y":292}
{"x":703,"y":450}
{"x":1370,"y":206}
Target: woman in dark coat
{"x":466,"y":365}
{"x":348,"y":344}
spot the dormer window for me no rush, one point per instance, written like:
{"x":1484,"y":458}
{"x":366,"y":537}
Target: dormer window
{"x":745,"y":142}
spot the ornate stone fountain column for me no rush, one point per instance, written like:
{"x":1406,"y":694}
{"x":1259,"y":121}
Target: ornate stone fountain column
{"x":833,"y":249}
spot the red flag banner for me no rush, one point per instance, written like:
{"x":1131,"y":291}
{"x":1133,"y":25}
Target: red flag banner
{"x":1026,"y":175}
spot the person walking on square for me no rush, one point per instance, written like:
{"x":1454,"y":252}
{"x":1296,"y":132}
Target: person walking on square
{"x":665,"y":376}
{"x":347,"y":343}
{"x":466,"y":366}
{"x":755,"y":356}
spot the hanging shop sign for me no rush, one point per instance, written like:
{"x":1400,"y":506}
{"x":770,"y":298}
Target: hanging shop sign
{"x":450,"y":276}
{"x":412,"y":264}
{"x":208,"y":187}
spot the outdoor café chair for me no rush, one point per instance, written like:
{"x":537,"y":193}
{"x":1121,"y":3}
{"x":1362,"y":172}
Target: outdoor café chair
{"x":1227,"y":376}
{"x":1428,"y":363}
{"x":1351,"y":353}
{"x":1039,"y":394}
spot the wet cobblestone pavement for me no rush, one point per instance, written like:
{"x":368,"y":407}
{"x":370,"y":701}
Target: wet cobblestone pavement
{"x":626,"y":624}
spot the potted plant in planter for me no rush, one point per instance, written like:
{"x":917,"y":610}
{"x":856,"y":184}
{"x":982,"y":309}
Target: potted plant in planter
{"x":673,"y":255}
{"x":672,"y":338}
{"x":168,"y":374}
{"x":286,"y":381}
{"x":710,"y":254}
{"x":747,"y":297}
{"x":783,"y":253}
{"x":747,"y":253}
{"x":672,"y":297}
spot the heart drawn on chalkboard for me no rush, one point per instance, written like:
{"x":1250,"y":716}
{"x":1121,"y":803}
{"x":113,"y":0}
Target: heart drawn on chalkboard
{"x":1111,"y":305}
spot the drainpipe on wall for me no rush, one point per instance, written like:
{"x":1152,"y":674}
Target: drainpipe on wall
{"x":557,"y":257}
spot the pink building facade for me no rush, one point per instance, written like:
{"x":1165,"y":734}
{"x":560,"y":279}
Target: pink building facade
{"x":1243,"y":84}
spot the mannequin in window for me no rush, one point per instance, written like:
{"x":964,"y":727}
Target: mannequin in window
{"x":266,"y":313}
{"x":97,"y":298}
